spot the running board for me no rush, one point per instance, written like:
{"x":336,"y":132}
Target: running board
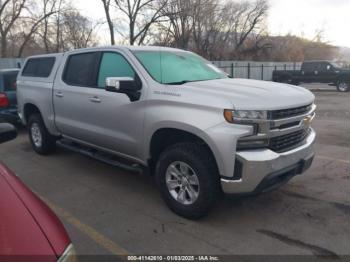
{"x":101,"y":156}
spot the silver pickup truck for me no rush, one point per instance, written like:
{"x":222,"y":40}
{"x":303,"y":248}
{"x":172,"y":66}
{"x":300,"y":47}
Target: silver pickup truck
{"x":171,"y":112}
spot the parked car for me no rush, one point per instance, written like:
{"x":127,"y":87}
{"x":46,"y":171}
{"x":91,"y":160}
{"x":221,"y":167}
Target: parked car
{"x":8,"y":100}
{"x":29,"y":230}
{"x":316,"y":72}
{"x":171,"y":112}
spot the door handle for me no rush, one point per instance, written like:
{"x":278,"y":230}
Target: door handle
{"x":59,"y":94}
{"x":95,"y":99}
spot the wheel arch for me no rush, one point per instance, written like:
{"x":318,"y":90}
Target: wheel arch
{"x":28,"y":110}
{"x":163,"y":137}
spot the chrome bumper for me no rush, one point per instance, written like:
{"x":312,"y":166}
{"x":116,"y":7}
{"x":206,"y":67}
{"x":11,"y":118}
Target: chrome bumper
{"x":262,"y":166}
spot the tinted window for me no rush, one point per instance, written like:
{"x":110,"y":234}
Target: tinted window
{"x":39,"y":67}
{"x":114,"y":65}
{"x":79,"y":70}
{"x":323,"y":67}
{"x":10,"y":81}
{"x":310,"y":66}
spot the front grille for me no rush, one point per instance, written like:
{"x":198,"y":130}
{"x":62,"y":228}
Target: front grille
{"x":289,"y":141}
{"x":286,"y":113}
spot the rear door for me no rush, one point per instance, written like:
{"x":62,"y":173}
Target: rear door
{"x":71,"y":96}
{"x":309,"y":72}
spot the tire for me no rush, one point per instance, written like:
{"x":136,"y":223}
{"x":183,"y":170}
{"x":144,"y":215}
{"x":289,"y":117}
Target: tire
{"x":42,"y":141}
{"x":198,"y":161}
{"x":343,"y":86}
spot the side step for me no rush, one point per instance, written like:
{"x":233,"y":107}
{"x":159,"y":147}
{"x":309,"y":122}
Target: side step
{"x":101,"y":156}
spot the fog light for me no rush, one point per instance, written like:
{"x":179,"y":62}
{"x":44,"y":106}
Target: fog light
{"x":252,"y":144}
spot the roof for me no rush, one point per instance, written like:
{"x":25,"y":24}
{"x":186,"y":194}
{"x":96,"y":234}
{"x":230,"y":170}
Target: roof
{"x":152,"y":48}
{"x":131,"y":48}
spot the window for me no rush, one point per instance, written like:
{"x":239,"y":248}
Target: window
{"x":10,"y":81}
{"x":80,"y":70}
{"x":176,"y":67}
{"x":39,"y":67}
{"x":326,"y":67}
{"x":114,"y":65}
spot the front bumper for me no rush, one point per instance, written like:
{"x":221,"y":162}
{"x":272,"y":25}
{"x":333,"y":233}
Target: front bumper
{"x":264,"y":169}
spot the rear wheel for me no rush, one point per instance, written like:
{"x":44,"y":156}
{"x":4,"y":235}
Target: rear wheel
{"x":42,"y":141}
{"x":343,"y":86}
{"x":188,"y":179}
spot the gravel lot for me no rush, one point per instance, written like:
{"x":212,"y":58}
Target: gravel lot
{"x":111,"y":211}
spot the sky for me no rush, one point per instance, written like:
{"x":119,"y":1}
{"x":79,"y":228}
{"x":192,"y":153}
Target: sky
{"x":298,"y":17}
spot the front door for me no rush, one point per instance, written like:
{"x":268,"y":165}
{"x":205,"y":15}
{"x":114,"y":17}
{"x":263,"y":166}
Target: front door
{"x":118,"y":121}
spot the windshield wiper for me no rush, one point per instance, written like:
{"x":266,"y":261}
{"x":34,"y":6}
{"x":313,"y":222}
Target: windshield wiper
{"x":189,"y":81}
{"x":179,"y":83}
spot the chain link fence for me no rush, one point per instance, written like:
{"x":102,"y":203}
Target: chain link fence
{"x":255,"y":70}
{"x":6,"y":63}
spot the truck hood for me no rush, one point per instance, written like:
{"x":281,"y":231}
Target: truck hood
{"x":253,"y":94}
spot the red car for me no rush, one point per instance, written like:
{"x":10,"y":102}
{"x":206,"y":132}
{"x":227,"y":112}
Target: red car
{"x":29,"y":230}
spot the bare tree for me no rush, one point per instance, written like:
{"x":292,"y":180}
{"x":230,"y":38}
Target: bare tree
{"x":254,"y":15}
{"x":77,"y":31}
{"x":10,"y":11}
{"x":48,"y":7}
{"x":33,"y":23}
{"x":106,"y":6}
{"x":178,"y":28}
{"x":216,"y":29}
{"x":139,"y":16}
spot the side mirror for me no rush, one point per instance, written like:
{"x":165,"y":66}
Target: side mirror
{"x":126,"y":85}
{"x":120,"y":84}
{"x":7,"y":132}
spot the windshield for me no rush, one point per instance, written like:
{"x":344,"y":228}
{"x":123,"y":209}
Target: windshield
{"x":177,"y":67}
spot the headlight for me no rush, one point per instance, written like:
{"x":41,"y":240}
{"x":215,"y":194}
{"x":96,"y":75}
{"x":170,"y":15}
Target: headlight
{"x":250,"y":114}
{"x":233,"y":116}
{"x":68,"y":255}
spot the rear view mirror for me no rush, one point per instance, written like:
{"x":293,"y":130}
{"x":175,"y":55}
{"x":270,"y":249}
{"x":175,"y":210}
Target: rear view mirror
{"x":7,"y":132}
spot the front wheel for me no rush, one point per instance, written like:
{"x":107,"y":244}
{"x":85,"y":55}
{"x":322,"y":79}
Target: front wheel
{"x":343,"y":86}
{"x":188,"y":179}
{"x":42,"y":141}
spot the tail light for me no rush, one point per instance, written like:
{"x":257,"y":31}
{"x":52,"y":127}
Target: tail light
{"x":4,"y":101}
